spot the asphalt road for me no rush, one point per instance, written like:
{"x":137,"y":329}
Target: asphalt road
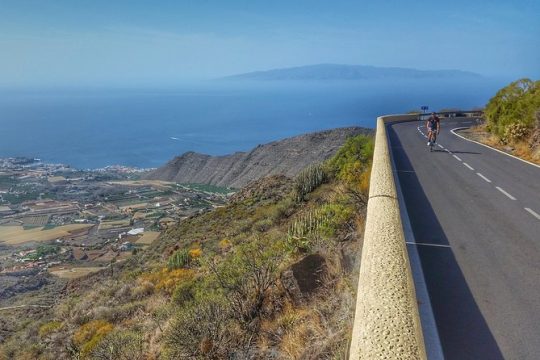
{"x":475,"y":215}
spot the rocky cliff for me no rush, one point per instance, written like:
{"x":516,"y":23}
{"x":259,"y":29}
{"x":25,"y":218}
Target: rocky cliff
{"x":285,"y":157}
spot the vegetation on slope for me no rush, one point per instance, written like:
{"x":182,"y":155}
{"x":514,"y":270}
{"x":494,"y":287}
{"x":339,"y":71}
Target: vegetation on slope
{"x":513,"y":117}
{"x":270,"y":275}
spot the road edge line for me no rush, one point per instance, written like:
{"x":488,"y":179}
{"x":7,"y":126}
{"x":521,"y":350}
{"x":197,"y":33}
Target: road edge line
{"x":432,"y":340}
{"x":490,"y":147}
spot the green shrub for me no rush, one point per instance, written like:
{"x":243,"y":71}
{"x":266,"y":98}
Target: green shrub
{"x":49,"y":327}
{"x":283,"y":209}
{"x":263,"y":225}
{"x":184,"y":292}
{"x":120,"y":345}
{"x":353,"y":158}
{"x":201,"y":331}
{"x":247,"y":275}
{"x":336,"y":216}
{"x":118,"y":313}
{"x":88,"y":336}
{"x":516,"y":103}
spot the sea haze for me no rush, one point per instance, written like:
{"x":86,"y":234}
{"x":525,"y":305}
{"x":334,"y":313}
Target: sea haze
{"x":145,"y":128}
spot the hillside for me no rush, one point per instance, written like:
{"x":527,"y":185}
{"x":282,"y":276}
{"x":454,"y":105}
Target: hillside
{"x":351,"y":72}
{"x":285,"y":157}
{"x":270,"y":275}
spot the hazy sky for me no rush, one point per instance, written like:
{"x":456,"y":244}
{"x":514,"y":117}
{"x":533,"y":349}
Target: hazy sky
{"x":113,"y":42}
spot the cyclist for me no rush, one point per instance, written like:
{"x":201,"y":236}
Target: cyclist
{"x":433,"y":125}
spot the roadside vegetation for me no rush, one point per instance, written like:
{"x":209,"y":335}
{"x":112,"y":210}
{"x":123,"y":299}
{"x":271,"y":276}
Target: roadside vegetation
{"x":269,"y":275}
{"x":513,"y":119}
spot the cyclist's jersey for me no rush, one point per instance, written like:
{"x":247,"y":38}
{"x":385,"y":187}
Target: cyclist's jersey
{"x":432,"y":122}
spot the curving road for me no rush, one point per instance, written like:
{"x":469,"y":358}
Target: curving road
{"x":475,"y":217}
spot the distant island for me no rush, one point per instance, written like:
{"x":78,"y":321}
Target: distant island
{"x":350,"y":72}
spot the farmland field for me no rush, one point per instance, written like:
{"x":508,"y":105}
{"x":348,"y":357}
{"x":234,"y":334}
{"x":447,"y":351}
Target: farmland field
{"x":39,"y":220}
{"x":73,"y":273}
{"x":105,"y":225}
{"x":148,"y":237}
{"x":15,"y":235}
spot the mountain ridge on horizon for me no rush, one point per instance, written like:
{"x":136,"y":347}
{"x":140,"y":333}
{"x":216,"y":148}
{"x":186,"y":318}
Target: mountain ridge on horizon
{"x":330,"y":71}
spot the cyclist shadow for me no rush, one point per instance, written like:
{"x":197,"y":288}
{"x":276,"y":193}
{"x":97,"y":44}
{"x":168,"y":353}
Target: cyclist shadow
{"x":465,"y":152}
{"x":463,"y":331}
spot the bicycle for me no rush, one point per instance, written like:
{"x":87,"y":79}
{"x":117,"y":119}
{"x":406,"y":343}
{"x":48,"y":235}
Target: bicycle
{"x":432,"y":138}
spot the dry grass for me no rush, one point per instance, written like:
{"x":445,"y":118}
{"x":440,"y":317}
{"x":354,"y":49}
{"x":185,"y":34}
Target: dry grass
{"x":302,"y":328}
{"x":148,"y":237}
{"x":522,"y":150}
{"x":15,"y":235}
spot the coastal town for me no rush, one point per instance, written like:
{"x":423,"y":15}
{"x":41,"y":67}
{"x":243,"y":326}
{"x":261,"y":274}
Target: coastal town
{"x":63,"y":222}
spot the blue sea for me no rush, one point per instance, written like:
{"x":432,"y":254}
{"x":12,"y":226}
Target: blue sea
{"x":92,"y":128}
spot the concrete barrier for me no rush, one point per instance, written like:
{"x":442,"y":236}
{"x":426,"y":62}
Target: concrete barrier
{"x":386,"y":323}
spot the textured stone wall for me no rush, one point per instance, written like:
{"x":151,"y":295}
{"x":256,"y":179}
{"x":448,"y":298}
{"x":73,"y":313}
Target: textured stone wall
{"x":386,"y":324}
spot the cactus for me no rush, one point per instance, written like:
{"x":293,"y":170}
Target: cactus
{"x":302,"y":230}
{"x":308,"y":180}
{"x":180,"y":259}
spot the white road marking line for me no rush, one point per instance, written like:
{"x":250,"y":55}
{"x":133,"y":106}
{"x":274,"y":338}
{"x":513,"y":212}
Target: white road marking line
{"x":505,"y":193}
{"x":483,"y":177}
{"x":439,"y":145}
{"x":533,"y":213}
{"x":426,"y":244}
{"x":457,"y":158}
{"x":448,"y":151}
{"x":469,"y":166}
{"x":453,"y":131}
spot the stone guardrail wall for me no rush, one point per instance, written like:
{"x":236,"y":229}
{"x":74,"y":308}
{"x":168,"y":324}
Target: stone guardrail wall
{"x":386,"y":323}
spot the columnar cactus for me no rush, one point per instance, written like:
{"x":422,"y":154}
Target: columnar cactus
{"x":305,"y":227}
{"x":308,"y":180}
{"x":179,"y":259}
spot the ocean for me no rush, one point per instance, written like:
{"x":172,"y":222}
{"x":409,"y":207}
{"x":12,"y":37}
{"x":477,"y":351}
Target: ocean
{"x":92,"y":128}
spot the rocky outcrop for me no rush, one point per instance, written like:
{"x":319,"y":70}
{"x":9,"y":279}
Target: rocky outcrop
{"x":285,"y":157}
{"x":304,"y":278}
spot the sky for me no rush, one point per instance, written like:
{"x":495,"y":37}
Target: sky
{"x":134,"y":43}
